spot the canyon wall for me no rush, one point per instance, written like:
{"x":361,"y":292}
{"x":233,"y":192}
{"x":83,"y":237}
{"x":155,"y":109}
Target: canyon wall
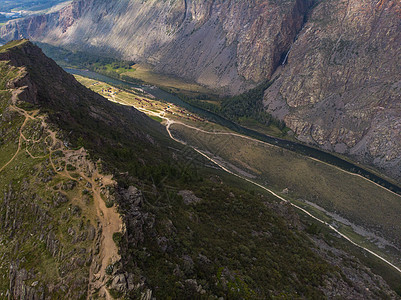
{"x":341,"y":86}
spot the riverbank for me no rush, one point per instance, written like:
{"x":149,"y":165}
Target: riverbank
{"x":297,"y":147}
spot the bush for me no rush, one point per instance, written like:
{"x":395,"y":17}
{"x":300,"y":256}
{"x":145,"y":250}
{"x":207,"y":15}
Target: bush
{"x":71,"y":167}
{"x":117,"y":238}
{"x":109,"y":203}
{"x":109,"y":269}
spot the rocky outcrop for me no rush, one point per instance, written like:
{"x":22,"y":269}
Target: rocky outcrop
{"x":341,"y":87}
{"x":18,"y":288}
{"x":362,"y":283}
{"x":131,"y":201}
{"x":229,"y":45}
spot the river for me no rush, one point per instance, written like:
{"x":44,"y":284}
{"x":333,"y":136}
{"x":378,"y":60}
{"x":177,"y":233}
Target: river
{"x":290,"y":145}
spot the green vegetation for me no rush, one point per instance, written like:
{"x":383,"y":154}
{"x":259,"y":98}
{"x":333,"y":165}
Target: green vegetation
{"x":146,"y":74}
{"x":12,"y":44}
{"x":249,"y":105}
{"x":245,"y":109}
{"x":324,"y":185}
{"x":158,"y":119}
{"x":117,"y":238}
{"x":230,"y":242}
{"x":376,"y":265}
{"x":8,"y":73}
{"x":307,"y":179}
{"x":71,"y":167}
{"x":43,"y":223}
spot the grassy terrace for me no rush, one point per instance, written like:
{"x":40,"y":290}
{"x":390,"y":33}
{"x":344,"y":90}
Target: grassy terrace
{"x":351,"y":196}
{"x":145,"y":73}
{"x":145,"y":103}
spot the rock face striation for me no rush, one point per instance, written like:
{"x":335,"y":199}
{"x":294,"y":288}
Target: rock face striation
{"x":341,"y":87}
{"x":229,"y":45}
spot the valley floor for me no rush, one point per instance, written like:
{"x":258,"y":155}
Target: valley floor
{"x":326,"y":190}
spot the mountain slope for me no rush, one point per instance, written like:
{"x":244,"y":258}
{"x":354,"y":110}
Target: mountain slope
{"x":229,"y":45}
{"x":57,"y":217}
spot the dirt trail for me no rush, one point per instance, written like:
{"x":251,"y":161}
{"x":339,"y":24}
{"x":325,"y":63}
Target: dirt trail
{"x":21,"y":136}
{"x":110,"y":223}
{"x":108,"y":218}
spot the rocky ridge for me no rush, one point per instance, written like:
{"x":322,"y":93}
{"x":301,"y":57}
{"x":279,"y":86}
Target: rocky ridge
{"x":58,"y":213}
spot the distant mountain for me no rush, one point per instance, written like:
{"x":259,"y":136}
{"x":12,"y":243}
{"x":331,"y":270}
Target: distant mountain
{"x":228,"y":45}
{"x":28,"y":5}
{"x":15,"y":9}
{"x":98,"y":202}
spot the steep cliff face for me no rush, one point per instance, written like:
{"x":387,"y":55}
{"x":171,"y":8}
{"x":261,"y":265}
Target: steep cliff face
{"x":341,"y":87}
{"x":230,"y":45}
